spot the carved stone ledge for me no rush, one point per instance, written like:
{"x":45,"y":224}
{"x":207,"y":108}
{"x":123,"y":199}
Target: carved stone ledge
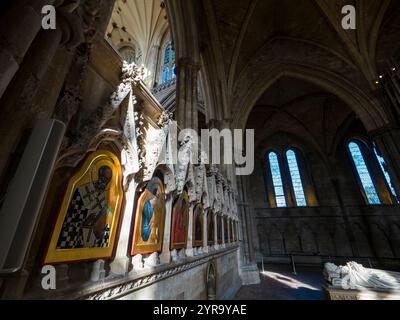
{"x":341,"y":294}
{"x":126,"y":286}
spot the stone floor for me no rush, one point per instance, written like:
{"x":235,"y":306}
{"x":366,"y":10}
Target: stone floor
{"x":279,"y":283}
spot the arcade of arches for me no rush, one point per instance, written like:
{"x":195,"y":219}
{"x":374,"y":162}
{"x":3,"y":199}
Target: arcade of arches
{"x":87,"y":108}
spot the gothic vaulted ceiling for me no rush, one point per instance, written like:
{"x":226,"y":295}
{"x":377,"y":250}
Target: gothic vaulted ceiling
{"x":140,"y":23}
{"x":255,"y":41}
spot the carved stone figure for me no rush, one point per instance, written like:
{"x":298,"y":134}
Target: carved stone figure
{"x":354,"y":276}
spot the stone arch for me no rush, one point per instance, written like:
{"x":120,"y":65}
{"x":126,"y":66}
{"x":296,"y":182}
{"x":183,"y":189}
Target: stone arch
{"x":211,"y":282}
{"x":181,"y":16}
{"x":162,"y":41}
{"x":169,"y":177}
{"x":364,"y":105}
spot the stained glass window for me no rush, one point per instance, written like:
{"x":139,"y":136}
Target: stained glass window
{"x":165,"y":74}
{"x":296,"y":179}
{"x":168,"y":64}
{"x":382,"y":164}
{"x":277,"y":180}
{"x":167,"y":54}
{"x":363,"y":173}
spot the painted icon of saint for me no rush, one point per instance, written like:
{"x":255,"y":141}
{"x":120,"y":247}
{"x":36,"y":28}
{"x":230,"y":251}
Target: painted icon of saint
{"x":179,"y":227}
{"x":88,"y":220}
{"x":149,"y":219}
{"x":149,"y":216}
{"x":180,"y":221}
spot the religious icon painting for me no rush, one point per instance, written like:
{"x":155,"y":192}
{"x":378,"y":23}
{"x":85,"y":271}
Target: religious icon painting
{"x":87,"y":222}
{"x":180,"y":221}
{"x":210,"y":228}
{"x":148,"y":233}
{"x":198,"y":216}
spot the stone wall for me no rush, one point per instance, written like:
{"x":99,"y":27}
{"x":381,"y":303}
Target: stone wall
{"x":176,"y":287}
{"x":337,"y":224}
{"x":106,"y":106}
{"x":321,"y":232}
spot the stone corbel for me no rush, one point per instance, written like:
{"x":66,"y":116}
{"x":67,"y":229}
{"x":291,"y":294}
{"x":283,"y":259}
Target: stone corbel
{"x":70,"y":23}
{"x":184,"y":156}
{"x":219,"y":192}
{"x":77,"y":140}
{"x":211,"y":185}
{"x":169,"y":181}
{"x":130,"y":151}
{"x":190,"y":183}
{"x":205,"y":195}
{"x":199,"y":173}
{"x":153,"y":144}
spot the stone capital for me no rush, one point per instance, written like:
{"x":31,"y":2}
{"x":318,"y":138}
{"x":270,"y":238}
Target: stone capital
{"x":187,"y":63}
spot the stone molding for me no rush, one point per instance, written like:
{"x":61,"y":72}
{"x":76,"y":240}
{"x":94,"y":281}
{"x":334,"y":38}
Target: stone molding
{"x":127,"y":286}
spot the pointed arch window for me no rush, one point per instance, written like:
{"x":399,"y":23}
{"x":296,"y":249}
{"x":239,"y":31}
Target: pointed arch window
{"x":168,"y":63}
{"x":277,"y":180}
{"x":296,"y":180}
{"x":289,"y":183}
{"x":364,"y":174}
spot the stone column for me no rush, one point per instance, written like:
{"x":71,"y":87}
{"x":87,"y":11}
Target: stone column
{"x":205,"y":231}
{"x":186,"y":93}
{"x":19,"y":27}
{"x":223,"y":230}
{"x":189,"y":247}
{"x":17,"y":100}
{"x":16,"y":112}
{"x":216,"y":217}
{"x":42,"y":44}
{"x":165,"y":256}
{"x":248,"y":269}
{"x":230,"y":231}
{"x":121,"y":263}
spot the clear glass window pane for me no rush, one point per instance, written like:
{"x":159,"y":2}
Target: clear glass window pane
{"x":364,"y":174}
{"x":277,"y":180}
{"x":296,"y":179}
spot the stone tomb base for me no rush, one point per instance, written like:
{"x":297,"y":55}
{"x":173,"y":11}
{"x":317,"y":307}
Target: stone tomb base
{"x":341,"y":294}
